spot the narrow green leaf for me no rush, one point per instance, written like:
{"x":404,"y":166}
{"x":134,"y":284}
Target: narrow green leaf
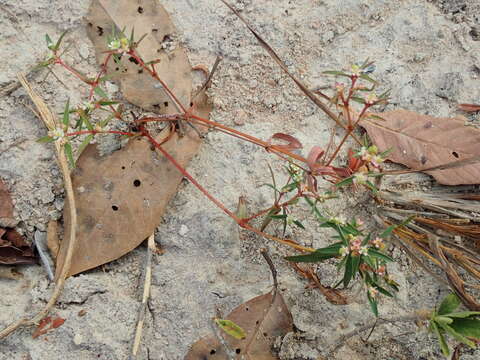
{"x":442,"y":319}
{"x":59,"y":41}
{"x":66,"y":114}
{"x":318,"y":255}
{"x":84,"y":144}
{"x":344,"y":182}
{"x":377,"y":254}
{"x":348,"y":271}
{"x":281,"y":217}
{"x":441,"y":339}
{"x":457,"y":336}
{"x":299,"y":224}
{"x":384,"y":291}
{"x":49,"y":42}
{"x":338,"y":73}
{"x":99,"y":91}
{"x":368,"y":78}
{"x":373,"y":304}
{"x":231,"y":328}
{"x":69,"y":154}
{"x":45,"y":139}
{"x":449,"y":304}
{"x":289,"y":187}
{"x":390,"y":229}
{"x":104,"y":103}
{"x":467,"y":327}
{"x":463,"y":314}
{"x":358,"y":99}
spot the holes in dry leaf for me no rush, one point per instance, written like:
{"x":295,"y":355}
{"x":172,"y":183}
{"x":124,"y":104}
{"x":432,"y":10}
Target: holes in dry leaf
{"x":265,"y":334}
{"x":238,"y":350}
{"x":133,"y":60}
{"x":90,"y":24}
{"x":140,"y":71}
{"x":99,"y":30}
{"x":454,"y":153}
{"x":165,"y":103}
{"x":154,"y":30}
{"x":140,"y":10}
{"x":137,"y":183}
{"x":123,"y":167}
{"x":246,"y":308}
{"x":212,"y":352}
{"x":114,"y":207}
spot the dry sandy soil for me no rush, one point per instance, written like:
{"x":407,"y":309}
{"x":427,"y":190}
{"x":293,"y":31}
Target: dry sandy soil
{"x":427,"y":52}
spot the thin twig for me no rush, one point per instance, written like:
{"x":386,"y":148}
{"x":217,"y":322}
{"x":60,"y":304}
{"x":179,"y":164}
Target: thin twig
{"x":50,"y":122}
{"x":146,"y":294}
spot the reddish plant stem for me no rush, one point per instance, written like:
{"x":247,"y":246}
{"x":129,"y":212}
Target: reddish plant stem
{"x":239,"y":221}
{"x":67,"y":67}
{"x":102,"y":71}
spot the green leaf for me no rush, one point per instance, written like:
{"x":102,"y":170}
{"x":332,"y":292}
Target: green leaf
{"x":299,"y":224}
{"x":338,"y":73}
{"x":384,"y":291}
{"x":467,"y":327}
{"x":441,"y":339}
{"x":442,"y":320}
{"x":49,"y":42}
{"x":289,"y":187}
{"x":59,"y":41}
{"x":449,"y":304}
{"x":103,"y":103}
{"x":344,"y":182}
{"x":390,"y":229}
{"x":66,"y":114}
{"x":45,"y":139}
{"x":88,"y":124}
{"x":457,"y":336}
{"x":378,"y":255}
{"x":463,"y":314}
{"x":358,"y":99}
{"x":318,"y":255}
{"x":368,"y":78}
{"x":348,"y":270}
{"x":99,"y":91}
{"x":84,"y":144}
{"x":281,"y":217}
{"x":69,"y":154}
{"x":373,"y":304}
{"x":231,"y":328}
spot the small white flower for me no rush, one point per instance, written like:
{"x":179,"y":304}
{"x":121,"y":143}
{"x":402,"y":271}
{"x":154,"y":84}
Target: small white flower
{"x":344,"y":251}
{"x":115,"y":44}
{"x":372,"y":291}
{"x":290,"y":220}
{"x":360,"y":178}
{"x":363,"y":250}
{"x":340,"y":220}
{"x":57,"y":133}
{"x":88,"y":105}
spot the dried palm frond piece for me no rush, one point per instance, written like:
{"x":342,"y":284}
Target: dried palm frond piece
{"x":444,"y":232}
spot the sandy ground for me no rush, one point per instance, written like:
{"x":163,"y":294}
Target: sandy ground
{"x":427,"y":52}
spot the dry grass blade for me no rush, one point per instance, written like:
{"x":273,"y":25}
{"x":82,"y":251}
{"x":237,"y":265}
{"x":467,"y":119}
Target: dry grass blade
{"x":297,"y":81}
{"x":50,"y":122}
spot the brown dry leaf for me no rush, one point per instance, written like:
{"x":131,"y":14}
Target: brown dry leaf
{"x":469,"y":107}
{"x":14,"y":250}
{"x":52,"y":238}
{"x":6,"y":205}
{"x":146,"y":17}
{"x":423,"y":141}
{"x":121,"y":198}
{"x":42,"y":328}
{"x":277,"y":322}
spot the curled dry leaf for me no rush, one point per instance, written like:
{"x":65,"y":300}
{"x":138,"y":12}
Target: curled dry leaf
{"x":121,"y":198}
{"x":146,"y":17}
{"x":14,"y":250}
{"x":423,"y":142}
{"x":469,"y":107}
{"x":292,"y":143}
{"x":52,"y":323}
{"x":277,"y":322}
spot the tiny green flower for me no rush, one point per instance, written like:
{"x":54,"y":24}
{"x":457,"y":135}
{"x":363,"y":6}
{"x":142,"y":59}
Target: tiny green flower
{"x":344,"y":251}
{"x":339,"y":220}
{"x":363,"y":250}
{"x":115,"y":44}
{"x":360,"y":178}
{"x":57,"y":133}
{"x":372,"y":291}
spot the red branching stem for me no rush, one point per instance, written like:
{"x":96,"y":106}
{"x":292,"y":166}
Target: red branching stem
{"x":67,"y":67}
{"x":102,"y":71}
{"x":240,"y":222}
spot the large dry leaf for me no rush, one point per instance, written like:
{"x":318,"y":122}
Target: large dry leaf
{"x":277,"y":322}
{"x":422,"y":142}
{"x":120,"y":198}
{"x":145,"y":17}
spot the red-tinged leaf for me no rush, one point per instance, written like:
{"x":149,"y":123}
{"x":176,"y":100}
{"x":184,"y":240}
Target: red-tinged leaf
{"x":469,"y":107}
{"x":57,"y":322}
{"x":313,"y":156}
{"x":40,"y":330}
{"x":293,"y":143}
